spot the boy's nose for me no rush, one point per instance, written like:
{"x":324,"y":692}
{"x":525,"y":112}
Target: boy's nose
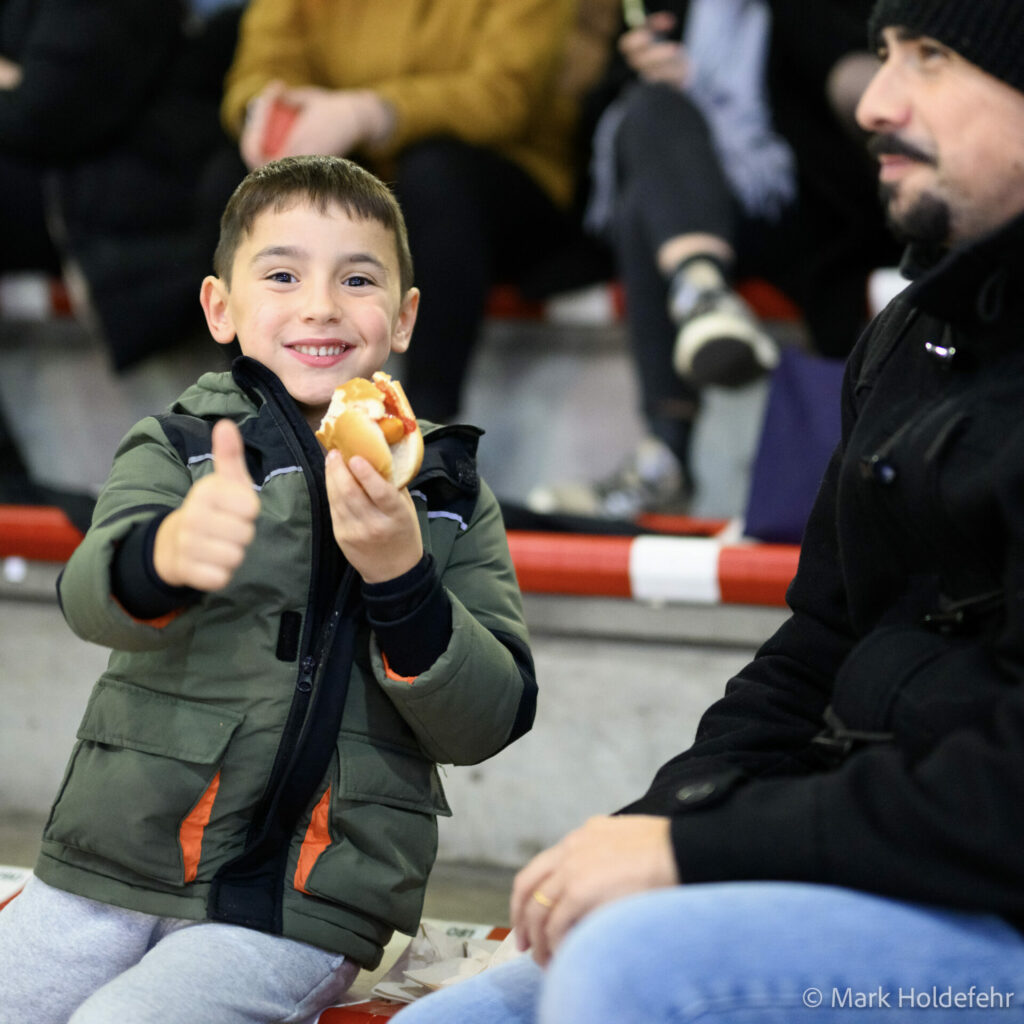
{"x":322,"y":304}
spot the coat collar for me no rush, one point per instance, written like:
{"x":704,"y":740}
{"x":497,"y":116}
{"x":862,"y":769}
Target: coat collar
{"x":977,"y":286}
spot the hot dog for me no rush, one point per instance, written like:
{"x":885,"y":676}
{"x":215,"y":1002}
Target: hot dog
{"x":373,"y":418}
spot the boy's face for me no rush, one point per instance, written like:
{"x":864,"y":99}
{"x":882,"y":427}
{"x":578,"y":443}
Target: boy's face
{"x":316,"y":298}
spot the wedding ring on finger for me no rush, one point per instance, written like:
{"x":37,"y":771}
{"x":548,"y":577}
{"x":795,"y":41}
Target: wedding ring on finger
{"x":544,"y":901}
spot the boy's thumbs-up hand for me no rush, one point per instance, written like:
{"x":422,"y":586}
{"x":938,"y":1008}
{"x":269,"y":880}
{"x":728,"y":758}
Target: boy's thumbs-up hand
{"x":202,"y":543}
{"x":229,"y":454}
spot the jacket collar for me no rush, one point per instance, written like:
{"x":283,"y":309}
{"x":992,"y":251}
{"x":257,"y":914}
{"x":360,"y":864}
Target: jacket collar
{"x":978,"y":285}
{"x":449,"y":450}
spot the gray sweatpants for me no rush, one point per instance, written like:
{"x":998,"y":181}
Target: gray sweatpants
{"x":65,"y":959}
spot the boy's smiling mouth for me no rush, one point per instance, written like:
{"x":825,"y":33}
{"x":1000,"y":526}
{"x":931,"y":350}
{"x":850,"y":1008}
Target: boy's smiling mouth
{"x":319,"y":353}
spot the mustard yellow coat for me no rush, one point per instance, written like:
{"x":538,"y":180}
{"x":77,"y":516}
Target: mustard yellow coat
{"x":489,"y":72}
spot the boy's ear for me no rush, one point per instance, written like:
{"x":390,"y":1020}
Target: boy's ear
{"x":402,"y":334}
{"x":213,"y":297}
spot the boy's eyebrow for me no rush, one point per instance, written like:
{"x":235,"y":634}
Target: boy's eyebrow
{"x":278,"y":251}
{"x":297,"y":252}
{"x":366,"y":257}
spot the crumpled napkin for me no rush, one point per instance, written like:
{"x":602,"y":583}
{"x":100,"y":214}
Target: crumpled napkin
{"x":440,"y":955}
{"x":12,"y":881}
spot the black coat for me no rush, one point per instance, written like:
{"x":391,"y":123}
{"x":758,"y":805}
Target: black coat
{"x":908,"y":624}
{"x":118,"y":110}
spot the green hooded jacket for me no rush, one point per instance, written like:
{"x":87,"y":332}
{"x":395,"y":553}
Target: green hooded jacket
{"x":250,"y":758}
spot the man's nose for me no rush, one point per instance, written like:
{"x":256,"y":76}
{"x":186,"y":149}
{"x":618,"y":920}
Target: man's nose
{"x":884,"y":103}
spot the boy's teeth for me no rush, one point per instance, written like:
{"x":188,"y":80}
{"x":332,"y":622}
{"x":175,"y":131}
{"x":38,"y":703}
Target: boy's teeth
{"x":319,"y":350}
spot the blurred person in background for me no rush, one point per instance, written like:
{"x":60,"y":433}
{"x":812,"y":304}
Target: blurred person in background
{"x":110,"y":166}
{"x":722,"y":151}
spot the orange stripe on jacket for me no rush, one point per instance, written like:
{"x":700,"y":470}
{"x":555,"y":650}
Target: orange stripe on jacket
{"x":315,"y":841}
{"x":392,"y":674}
{"x":190,"y":835}
{"x":158,"y":623}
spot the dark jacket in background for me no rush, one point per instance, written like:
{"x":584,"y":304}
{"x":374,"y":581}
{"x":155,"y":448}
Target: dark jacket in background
{"x":840,"y":229}
{"x":117,"y":112}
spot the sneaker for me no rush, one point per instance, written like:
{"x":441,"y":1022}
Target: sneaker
{"x":721,"y":342}
{"x":651,"y":480}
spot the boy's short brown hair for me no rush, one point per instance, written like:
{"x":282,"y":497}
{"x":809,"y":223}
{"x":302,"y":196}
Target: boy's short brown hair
{"x":321,"y":181}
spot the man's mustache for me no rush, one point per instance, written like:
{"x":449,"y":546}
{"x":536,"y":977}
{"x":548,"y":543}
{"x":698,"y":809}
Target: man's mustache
{"x":893,"y":145}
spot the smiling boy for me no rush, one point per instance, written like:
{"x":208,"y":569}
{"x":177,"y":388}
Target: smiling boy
{"x":249,"y":811}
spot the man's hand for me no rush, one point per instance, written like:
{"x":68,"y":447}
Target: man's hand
{"x":606,"y":859}
{"x":202,"y":543}
{"x":375,"y":523}
{"x":653,"y":57}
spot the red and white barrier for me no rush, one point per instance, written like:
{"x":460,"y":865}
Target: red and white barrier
{"x":663,"y":569}
{"x":690,"y":570}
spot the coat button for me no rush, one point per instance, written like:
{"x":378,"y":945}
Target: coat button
{"x":878,"y":468}
{"x":943,"y":353}
{"x":695,"y":792}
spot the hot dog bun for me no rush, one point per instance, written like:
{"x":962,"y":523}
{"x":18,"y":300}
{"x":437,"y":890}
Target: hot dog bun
{"x":374,"y":419}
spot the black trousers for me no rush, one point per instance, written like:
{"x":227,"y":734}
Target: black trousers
{"x":26,"y":241}
{"x":671,"y":183}
{"x":474,"y":219}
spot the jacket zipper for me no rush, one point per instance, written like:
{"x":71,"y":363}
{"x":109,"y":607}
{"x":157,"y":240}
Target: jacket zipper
{"x":315,"y":636}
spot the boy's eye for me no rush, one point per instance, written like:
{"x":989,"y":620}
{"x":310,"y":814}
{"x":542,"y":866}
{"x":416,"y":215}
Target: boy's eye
{"x":358,"y":280}
{"x":281,"y":276}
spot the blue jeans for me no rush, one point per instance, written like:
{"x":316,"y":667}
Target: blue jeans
{"x":754,"y":953}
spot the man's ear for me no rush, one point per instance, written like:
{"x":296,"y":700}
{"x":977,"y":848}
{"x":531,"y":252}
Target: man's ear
{"x":213,"y":297}
{"x":402,"y":333}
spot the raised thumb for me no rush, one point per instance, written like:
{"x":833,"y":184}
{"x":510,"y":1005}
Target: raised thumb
{"x":229,"y":452}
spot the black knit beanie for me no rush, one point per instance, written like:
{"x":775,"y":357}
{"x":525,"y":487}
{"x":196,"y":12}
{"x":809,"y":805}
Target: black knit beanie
{"x":988,"y":33}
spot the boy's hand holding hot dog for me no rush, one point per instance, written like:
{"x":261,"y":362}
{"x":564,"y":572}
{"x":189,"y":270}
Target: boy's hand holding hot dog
{"x":375,"y":523}
{"x":203,"y":542}
{"x":375,"y":448}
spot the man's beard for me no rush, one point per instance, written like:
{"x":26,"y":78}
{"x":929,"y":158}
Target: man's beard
{"x":927,"y":220}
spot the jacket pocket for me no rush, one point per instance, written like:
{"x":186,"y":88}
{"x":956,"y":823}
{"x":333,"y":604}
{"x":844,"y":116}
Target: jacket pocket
{"x":372,"y":837}
{"x":141,"y":781}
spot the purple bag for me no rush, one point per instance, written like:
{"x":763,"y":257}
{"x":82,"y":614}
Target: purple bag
{"x":801,"y":428}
